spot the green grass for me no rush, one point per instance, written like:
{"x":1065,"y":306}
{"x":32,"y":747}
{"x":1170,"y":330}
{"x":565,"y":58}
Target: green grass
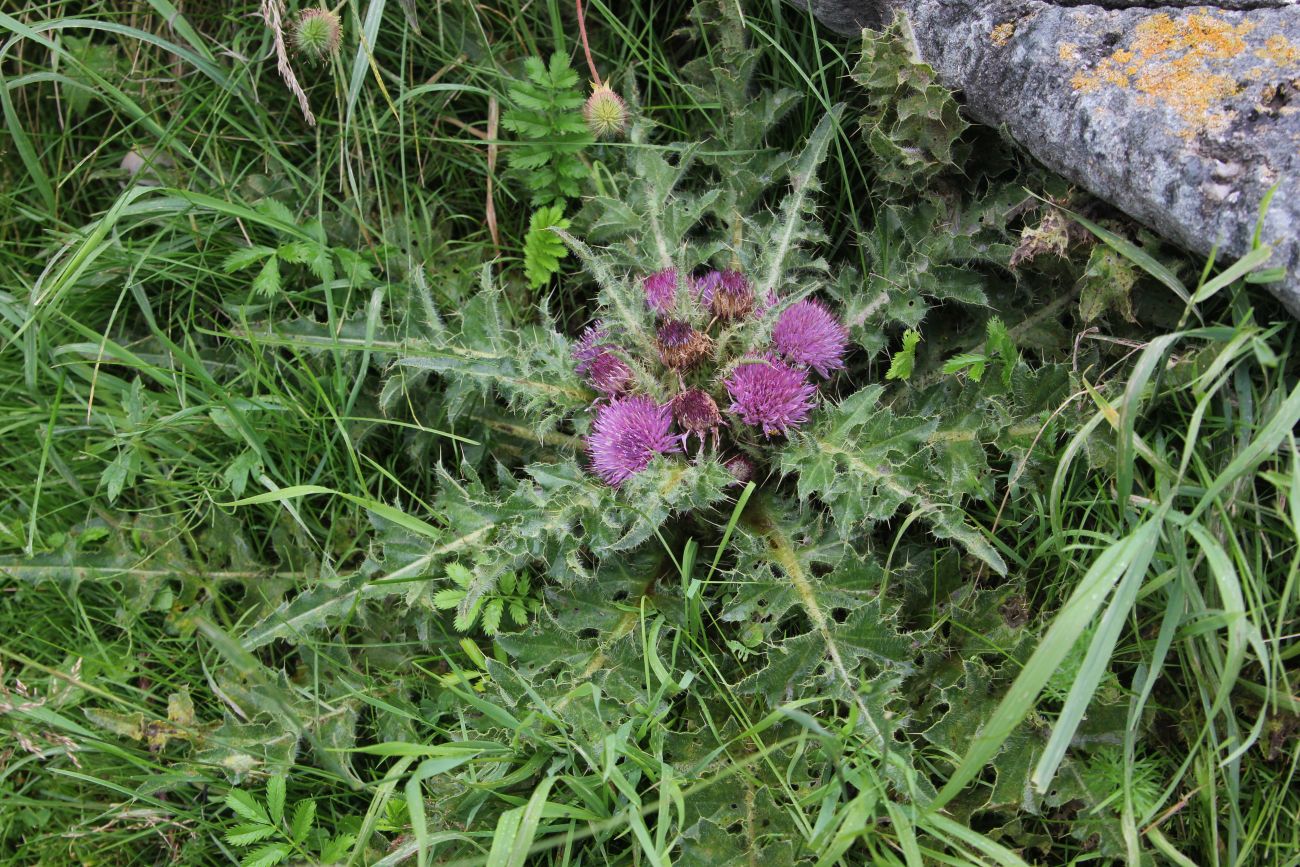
{"x":141,"y":396}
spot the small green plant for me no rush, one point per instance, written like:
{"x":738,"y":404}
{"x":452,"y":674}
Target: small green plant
{"x":276,"y":839}
{"x":900,"y":366}
{"x":546,"y":113}
{"x":296,"y":244}
{"x":511,"y":594}
{"x":997,"y":347}
{"x":543,"y":249}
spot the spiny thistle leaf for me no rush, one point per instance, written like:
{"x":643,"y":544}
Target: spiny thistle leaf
{"x":489,"y":354}
{"x":864,"y":464}
{"x":912,"y":124}
{"x":842,"y":607}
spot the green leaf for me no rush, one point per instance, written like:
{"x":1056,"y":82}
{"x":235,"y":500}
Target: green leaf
{"x":267,"y":282}
{"x":849,"y":632}
{"x":900,"y":366}
{"x":912,"y":124}
{"x":545,"y":112}
{"x":999,"y":343}
{"x":444,"y":600}
{"x":971,"y":362}
{"x":247,"y":835}
{"x":275,"y":792}
{"x":276,"y":210}
{"x":794,"y":222}
{"x":865,"y":464}
{"x":304,"y":815}
{"x":237,"y":473}
{"x":492,"y":611}
{"x":543,"y":249}
{"x":243,"y":257}
{"x":89,"y":61}
{"x":267,"y":856}
{"x":337,"y":848}
{"x":1128,"y":555}
{"x":459,"y":575}
{"x":246,"y":806}
{"x":466,"y":615}
{"x":120,"y":472}
{"x":1106,"y":285}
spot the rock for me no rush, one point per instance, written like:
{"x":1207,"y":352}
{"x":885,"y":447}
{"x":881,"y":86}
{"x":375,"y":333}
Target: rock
{"x":1183,"y":115}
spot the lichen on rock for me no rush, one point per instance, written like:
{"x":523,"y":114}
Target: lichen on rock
{"x":1177,"y":62}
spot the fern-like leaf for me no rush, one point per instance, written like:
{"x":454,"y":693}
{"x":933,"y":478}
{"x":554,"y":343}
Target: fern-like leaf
{"x":545,"y":112}
{"x":543,"y":249}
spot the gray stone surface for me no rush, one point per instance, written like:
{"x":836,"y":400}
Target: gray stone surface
{"x":1183,"y":115}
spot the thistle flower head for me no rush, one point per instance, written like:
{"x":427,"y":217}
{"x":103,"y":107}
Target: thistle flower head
{"x":770,"y":394}
{"x":681,"y":347}
{"x":695,"y":411}
{"x":733,"y":297}
{"x":626,"y":435}
{"x":741,"y":468}
{"x":317,"y":33}
{"x":661,"y":290}
{"x":808,"y":334}
{"x":592,"y":342}
{"x":608,"y":374}
{"x":605,"y":112}
{"x":704,"y":286}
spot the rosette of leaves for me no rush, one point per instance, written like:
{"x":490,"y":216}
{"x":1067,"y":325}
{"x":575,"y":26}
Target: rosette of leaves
{"x":713,"y":357}
{"x":719,"y":347}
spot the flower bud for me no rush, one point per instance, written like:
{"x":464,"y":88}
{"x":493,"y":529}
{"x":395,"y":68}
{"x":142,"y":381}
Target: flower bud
{"x":695,"y":411}
{"x":605,"y":111}
{"x":317,"y":34}
{"x":741,"y":469}
{"x":733,"y":297}
{"x":681,"y":347}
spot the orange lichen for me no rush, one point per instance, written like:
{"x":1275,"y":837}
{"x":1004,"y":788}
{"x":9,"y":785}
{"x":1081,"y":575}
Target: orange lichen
{"x":1068,"y":52}
{"x":1280,"y":51}
{"x":1002,"y":34}
{"x":1171,"y":62}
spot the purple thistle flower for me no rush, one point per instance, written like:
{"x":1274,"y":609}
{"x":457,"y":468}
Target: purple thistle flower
{"x":609,"y":374}
{"x":606,"y":372}
{"x":704,"y":287}
{"x":661,"y":290}
{"x":681,"y":347}
{"x":733,"y":297}
{"x":591,"y":342}
{"x":696,"y":412}
{"x":626,"y":435}
{"x":770,"y":394}
{"x":807,"y":333}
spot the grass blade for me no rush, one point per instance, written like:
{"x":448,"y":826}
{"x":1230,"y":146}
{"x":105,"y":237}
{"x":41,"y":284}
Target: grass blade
{"x":1060,"y":637}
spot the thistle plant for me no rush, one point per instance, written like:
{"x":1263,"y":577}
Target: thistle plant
{"x":712,"y":347}
{"x":717,"y":392}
